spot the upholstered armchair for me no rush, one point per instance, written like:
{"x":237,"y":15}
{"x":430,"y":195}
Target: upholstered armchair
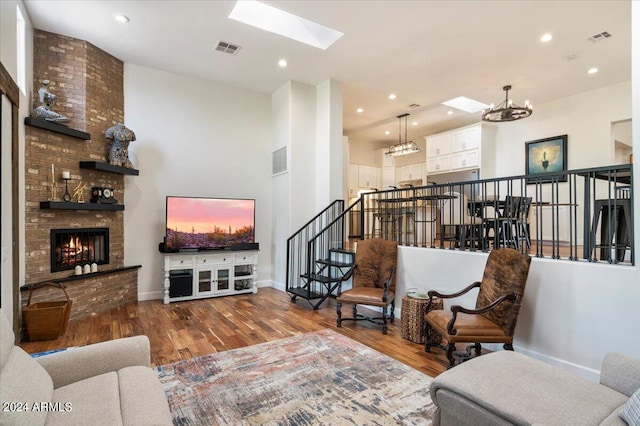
{"x":374,"y":281}
{"x":497,"y":305}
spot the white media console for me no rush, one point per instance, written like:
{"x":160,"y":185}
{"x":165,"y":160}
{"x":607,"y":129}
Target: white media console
{"x":198,"y":275}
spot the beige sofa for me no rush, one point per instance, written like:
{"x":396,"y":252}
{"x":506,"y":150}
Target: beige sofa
{"x":107,"y":383}
{"x":506,"y":388}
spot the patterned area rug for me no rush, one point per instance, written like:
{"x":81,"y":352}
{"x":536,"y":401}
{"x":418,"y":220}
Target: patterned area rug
{"x":310,"y":379}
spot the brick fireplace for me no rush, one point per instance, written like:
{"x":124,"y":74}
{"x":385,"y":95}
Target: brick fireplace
{"x":78,"y":247}
{"x":88,"y":83}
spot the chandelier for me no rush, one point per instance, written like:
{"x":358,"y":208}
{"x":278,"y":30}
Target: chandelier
{"x":507,"y":110}
{"x":402,"y":148}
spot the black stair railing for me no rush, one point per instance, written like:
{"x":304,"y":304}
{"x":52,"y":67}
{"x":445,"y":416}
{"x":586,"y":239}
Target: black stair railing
{"x":312,"y":268}
{"x":298,"y":243}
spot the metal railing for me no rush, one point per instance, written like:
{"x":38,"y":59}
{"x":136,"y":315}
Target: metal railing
{"x":584,"y":214}
{"x":302,"y":245}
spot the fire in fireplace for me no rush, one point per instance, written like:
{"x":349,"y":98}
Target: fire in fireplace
{"x":78,"y":246}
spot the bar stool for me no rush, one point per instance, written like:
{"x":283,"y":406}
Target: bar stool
{"x":616,"y":215}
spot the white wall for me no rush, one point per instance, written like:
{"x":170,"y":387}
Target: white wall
{"x":586,"y":118}
{"x":8,"y":57}
{"x":330,"y":145}
{"x":194,"y":138}
{"x":281,"y":189}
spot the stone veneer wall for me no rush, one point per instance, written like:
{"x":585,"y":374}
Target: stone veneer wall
{"x":88,"y":83}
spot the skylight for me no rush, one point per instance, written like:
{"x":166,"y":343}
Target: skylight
{"x":465,"y":104}
{"x":277,"y":21}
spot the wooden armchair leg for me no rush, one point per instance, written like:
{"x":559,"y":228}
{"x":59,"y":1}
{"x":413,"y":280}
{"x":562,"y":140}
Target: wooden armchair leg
{"x":339,"y":311}
{"x":478,"y":348}
{"x":508,"y":347}
{"x":384,"y":321}
{"x":449,"y":350}
{"x":393,"y":308}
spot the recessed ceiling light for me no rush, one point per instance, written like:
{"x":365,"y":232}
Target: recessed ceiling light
{"x":392,"y":96}
{"x":593,"y":70}
{"x":546,"y":37}
{"x":283,"y":23}
{"x":449,"y":112}
{"x":282,"y":63}
{"x":415,"y":123}
{"x":359,"y":110}
{"x":121,"y":18}
{"x":387,"y":132}
{"x":465,"y":104}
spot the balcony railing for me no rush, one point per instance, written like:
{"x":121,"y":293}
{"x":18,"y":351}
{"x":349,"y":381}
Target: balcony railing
{"x":575,"y":215}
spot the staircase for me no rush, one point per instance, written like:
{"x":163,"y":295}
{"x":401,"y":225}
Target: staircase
{"x":318,"y":259}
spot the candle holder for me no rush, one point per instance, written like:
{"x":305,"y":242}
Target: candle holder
{"x":66,"y":197}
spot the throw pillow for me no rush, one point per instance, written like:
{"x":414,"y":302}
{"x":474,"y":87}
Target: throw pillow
{"x":630,"y":413}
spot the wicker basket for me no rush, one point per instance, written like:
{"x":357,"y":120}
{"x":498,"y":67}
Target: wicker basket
{"x":47,"y":320}
{"x":412,"y":319}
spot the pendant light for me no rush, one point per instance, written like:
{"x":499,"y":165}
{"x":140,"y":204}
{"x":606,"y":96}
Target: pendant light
{"x":507,"y":110}
{"x":402,"y":148}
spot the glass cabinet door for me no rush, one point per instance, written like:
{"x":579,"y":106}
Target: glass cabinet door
{"x":204,"y":281}
{"x":222,"y":279}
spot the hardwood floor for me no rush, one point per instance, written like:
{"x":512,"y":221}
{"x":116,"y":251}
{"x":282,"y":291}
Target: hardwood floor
{"x":184,"y":330}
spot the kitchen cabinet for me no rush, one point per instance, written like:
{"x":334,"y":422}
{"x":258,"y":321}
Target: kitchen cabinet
{"x":440,"y":164}
{"x":468,"y":148}
{"x":353,"y":180}
{"x":410,"y":172}
{"x":367,"y":176}
{"x":363,"y":177}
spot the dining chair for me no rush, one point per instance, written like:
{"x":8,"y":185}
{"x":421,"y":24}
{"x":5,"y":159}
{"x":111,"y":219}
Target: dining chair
{"x":457,"y":224}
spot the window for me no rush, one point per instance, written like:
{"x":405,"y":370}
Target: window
{"x":21,"y":49}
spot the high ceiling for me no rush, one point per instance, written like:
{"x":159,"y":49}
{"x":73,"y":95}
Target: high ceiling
{"x":425,"y":52}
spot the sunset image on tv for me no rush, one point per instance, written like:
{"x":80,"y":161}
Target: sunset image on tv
{"x":208,"y":223}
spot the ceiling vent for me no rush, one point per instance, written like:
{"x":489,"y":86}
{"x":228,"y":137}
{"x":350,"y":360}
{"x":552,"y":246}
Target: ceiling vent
{"x":229,"y":48}
{"x":412,"y":106}
{"x":599,"y":37}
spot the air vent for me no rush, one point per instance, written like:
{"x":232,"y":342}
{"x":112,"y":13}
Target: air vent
{"x":229,"y":48}
{"x":599,"y":37}
{"x":279,"y":160}
{"x":412,"y":106}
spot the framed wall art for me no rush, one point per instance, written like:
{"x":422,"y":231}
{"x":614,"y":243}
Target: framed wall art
{"x":546,"y":156}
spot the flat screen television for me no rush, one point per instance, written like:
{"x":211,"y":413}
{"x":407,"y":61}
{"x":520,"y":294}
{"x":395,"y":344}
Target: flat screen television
{"x":198,"y":223}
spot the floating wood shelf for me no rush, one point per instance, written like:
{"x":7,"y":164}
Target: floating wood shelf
{"x":79,"y":277}
{"x":57,"y":128}
{"x":106,"y":167}
{"x":65,"y":205}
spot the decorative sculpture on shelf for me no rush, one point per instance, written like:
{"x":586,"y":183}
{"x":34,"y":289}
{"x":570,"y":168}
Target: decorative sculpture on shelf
{"x":47,"y":100}
{"x":120,"y":137}
{"x":78,"y":192}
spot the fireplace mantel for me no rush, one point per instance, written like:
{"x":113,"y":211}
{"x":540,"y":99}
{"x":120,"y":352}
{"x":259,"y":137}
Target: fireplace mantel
{"x":28,"y":287}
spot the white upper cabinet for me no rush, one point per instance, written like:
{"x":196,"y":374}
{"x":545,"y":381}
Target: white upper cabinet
{"x":467,"y":148}
{"x":367,"y":176}
{"x":464,"y":139}
{"x":410,"y":172}
{"x":439,"y":144}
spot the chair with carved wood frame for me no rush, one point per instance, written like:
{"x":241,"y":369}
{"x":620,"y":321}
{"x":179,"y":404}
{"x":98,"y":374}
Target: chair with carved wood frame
{"x":374,"y":281}
{"x":497,"y":305}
